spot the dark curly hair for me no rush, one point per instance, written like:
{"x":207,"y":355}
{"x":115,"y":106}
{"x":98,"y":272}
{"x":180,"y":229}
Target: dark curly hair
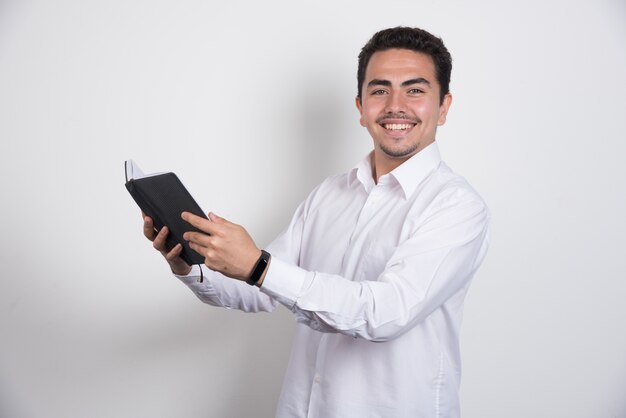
{"x":414,"y":39}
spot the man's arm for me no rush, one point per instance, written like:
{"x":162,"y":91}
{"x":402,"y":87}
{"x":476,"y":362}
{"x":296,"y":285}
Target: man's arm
{"x":214,"y":289}
{"x":424,"y":272}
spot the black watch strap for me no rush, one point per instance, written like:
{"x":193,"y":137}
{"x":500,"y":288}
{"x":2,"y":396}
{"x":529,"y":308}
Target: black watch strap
{"x":259,"y":269}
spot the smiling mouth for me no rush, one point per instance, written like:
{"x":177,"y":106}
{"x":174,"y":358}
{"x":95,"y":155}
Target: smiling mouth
{"x":397,"y":126}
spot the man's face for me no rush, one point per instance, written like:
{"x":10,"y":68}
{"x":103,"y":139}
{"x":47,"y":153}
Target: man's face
{"x":400,"y":104}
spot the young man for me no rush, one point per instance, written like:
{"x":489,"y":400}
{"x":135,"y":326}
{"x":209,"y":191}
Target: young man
{"x":375,"y":263}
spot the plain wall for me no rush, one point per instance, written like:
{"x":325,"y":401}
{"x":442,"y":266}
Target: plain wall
{"x":252,"y":104}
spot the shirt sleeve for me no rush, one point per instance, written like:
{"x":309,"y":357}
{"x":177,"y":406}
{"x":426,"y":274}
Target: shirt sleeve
{"x":434,"y":264}
{"x":219,"y":290}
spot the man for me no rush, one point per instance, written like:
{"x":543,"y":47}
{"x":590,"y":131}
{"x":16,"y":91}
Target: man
{"x":375,"y":263}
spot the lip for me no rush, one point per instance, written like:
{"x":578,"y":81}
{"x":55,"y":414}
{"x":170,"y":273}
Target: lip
{"x":397,"y":121}
{"x":397,"y":133}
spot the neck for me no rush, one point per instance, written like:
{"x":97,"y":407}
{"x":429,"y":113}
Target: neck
{"x":382,"y":166}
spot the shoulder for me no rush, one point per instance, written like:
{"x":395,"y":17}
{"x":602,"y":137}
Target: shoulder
{"x":332,"y":191}
{"x":452,"y":187}
{"x":446,"y":192}
{"x":331,"y":186}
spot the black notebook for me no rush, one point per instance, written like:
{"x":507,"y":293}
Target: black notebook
{"x":163,"y":197}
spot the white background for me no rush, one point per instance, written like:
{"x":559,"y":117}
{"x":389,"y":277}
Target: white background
{"x":252,"y":104}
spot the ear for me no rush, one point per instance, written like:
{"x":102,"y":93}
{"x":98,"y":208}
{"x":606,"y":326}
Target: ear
{"x":443,"y":109}
{"x":359,"y":106}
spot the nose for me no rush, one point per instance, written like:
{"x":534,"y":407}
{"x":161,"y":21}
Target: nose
{"x":396,"y":103}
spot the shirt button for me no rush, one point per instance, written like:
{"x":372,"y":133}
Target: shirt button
{"x":317,"y":380}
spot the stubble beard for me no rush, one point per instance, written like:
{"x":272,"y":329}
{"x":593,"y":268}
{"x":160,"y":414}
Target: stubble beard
{"x":399,"y":153}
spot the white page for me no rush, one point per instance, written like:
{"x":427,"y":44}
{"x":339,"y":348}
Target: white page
{"x":134,"y":172}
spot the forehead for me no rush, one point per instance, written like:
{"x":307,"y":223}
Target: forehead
{"x":400,"y":63}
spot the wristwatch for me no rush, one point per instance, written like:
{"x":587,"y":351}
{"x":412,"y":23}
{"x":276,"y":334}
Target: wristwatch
{"x":259,"y":269}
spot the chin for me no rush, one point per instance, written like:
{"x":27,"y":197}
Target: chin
{"x":400,"y":153}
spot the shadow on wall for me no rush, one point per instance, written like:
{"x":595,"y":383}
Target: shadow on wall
{"x":320,"y":117}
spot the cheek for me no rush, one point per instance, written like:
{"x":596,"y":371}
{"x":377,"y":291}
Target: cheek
{"x":427,"y":112}
{"x":421,"y":108}
{"x":368,"y":117}
{"x":375,"y":112}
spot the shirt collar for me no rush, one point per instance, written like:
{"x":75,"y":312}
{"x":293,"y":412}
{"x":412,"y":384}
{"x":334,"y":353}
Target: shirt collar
{"x":408,"y":174}
{"x":362,"y":172}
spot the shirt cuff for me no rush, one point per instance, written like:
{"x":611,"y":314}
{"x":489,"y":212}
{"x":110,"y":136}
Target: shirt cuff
{"x":285,"y":282}
{"x":191,"y":277}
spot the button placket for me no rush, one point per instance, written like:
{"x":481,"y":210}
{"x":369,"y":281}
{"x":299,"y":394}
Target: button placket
{"x":363,"y":225}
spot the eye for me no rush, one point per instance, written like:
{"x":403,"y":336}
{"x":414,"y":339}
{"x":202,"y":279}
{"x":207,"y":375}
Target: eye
{"x":416,"y":91}
{"x":378,"y":92}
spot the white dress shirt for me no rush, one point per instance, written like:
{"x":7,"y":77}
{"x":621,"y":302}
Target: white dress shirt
{"x":375,"y":275}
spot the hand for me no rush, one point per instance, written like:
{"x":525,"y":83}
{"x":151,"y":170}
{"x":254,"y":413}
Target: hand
{"x":227,"y":247}
{"x":177,"y":264}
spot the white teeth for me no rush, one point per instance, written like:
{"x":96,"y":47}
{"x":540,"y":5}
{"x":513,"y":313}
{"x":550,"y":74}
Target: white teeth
{"x":397,"y":126}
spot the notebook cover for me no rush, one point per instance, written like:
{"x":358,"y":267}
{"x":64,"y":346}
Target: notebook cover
{"x":163,"y":197}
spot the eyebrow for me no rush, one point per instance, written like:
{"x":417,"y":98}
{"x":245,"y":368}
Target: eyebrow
{"x":387,"y":83}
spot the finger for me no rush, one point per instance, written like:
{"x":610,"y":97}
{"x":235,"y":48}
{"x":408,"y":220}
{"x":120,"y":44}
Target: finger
{"x":197,"y":238}
{"x":217,"y":219}
{"x":160,"y":239}
{"x":201,"y":223}
{"x":203,"y":251}
{"x":148,"y":228}
{"x":175,"y":252}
